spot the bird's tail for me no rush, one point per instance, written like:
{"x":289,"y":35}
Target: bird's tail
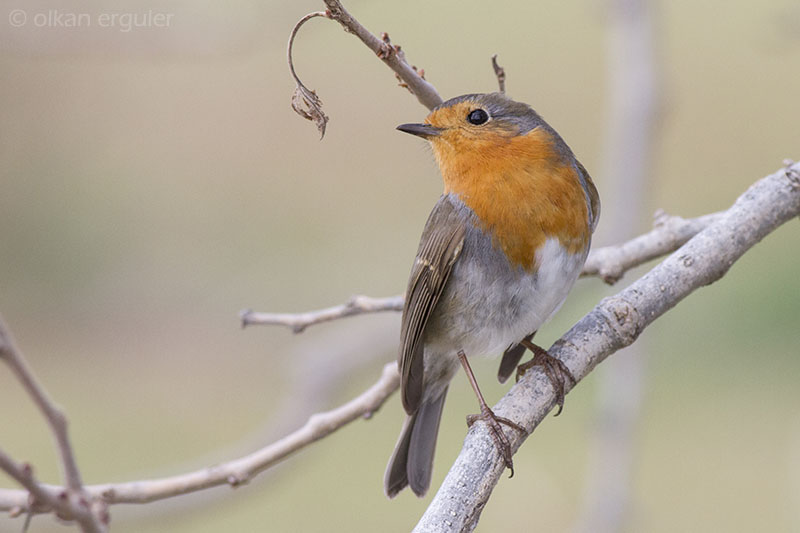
{"x":412,"y":461}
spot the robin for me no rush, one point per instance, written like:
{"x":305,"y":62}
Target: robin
{"x":500,"y":251}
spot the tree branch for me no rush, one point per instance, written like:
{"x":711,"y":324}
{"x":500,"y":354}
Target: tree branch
{"x":390,"y":55}
{"x":307,"y":103}
{"x":608,"y":262}
{"x":613,"y":324}
{"x":91,"y":516}
{"x":55,"y":418}
{"x":298,"y":322}
{"x":668,"y":234}
{"x":238,"y":471}
{"x":72,"y":503}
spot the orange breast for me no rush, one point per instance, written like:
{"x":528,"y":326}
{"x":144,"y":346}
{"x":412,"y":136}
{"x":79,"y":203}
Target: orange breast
{"x":522,"y":191}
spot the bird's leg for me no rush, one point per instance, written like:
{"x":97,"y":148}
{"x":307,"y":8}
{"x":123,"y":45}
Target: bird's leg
{"x":492,"y":420}
{"x":555,"y":370}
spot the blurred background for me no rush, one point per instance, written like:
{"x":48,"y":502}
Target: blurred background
{"x":154,"y":182}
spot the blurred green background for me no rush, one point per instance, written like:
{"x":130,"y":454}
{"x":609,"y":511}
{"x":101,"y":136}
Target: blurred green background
{"x":154,"y":182}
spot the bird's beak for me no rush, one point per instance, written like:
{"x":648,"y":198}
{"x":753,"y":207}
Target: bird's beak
{"x":422,"y":130}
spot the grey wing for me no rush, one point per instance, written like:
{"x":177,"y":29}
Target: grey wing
{"x":592,"y":197}
{"x":441,"y":243}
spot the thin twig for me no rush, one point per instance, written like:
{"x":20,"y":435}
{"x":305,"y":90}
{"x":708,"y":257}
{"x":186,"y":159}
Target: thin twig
{"x":424,"y":91}
{"x":57,"y":422}
{"x":609,"y":263}
{"x":305,"y":102}
{"x":41,"y":498}
{"x":23,"y":474}
{"x":668,"y":234}
{"x":54,"y":416}
{"x":298,"y":322}
{"x":238,"y":471}
{"x":500,"y":72}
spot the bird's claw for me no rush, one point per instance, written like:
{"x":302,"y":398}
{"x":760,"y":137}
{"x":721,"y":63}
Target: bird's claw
{"x":555,"y":370}
{"x":498,"y":435}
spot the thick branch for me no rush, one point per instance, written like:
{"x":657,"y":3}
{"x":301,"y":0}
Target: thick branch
{"x":238,"y":471}
{"x":615,"y":323}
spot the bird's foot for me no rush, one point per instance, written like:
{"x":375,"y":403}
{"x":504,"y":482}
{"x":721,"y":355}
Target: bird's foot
{"x":555,"y":370}
{"x":496,"y":431}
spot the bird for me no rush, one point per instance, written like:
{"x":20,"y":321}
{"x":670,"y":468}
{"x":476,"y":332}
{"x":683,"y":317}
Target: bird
{"x":501,"y":249}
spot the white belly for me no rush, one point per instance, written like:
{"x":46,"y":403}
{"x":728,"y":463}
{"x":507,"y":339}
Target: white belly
{"x":486,"y":308}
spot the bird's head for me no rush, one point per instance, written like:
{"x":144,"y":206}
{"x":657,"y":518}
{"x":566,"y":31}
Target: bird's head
{"x":488,"y":135}
{"x":475,"y":117}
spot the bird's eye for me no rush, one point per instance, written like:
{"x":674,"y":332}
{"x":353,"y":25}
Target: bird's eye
{"x":477,"y":117}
